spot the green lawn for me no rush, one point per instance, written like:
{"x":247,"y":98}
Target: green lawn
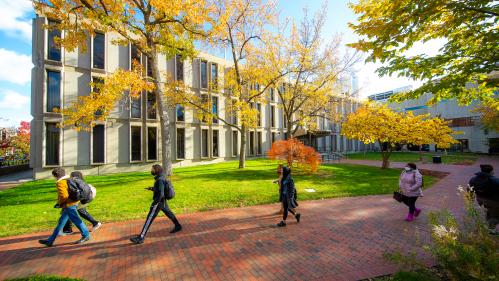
{"x":29,"y":207}
{"x":450,"y":158}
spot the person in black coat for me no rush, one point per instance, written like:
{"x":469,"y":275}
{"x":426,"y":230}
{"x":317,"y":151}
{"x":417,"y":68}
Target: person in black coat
{"x":288,"y":196}
{"x":159,"y":203}
{"x":486,"y":188}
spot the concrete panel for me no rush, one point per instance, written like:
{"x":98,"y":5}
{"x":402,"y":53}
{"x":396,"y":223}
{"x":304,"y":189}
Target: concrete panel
{"x":70,"y":148}
{"x":83,"y":149}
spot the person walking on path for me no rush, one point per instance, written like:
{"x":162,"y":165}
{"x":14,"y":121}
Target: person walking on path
{"x":82,"y":209}
{"x":486,"y":188}
{"x":161,"y":186}
{"x":411,"y":183}
{"x":288,"y":196}
{"x":278,"y":181}
{"x":68,"y":210}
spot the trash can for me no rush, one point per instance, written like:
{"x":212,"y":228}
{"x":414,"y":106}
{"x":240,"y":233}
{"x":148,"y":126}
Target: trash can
{"x":437,"y":159}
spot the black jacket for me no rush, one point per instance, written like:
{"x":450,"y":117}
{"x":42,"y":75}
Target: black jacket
{"x":485,"y":185}
{"x":159,"y":189}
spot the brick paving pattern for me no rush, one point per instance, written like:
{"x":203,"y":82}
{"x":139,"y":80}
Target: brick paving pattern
{"x":337,"y":239}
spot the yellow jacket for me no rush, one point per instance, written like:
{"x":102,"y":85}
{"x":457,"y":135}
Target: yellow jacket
{"x":63,"y":194}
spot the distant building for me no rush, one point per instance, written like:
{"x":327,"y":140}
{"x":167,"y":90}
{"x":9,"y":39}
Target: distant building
{"x":383,"y":97}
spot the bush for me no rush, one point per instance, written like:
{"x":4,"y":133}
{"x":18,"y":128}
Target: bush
{"x":293,"y":151}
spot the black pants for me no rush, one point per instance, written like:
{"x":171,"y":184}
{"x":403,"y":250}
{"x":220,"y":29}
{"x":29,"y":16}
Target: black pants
{"x":411,"y":203}
{"x":286,"y":208}
{"x":84,"y":214}
{"x":153,"y":212}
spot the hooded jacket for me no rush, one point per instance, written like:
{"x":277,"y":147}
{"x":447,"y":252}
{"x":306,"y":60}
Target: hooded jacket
{"x":485,"y":185}
{"x":410,"y":183}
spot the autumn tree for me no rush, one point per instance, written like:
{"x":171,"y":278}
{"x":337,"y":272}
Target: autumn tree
{"x":157,"y":28}
{"x":20,"y":141}
{"x":469,"y":55}
{"x":241,"y":29}
{"x":313,"y":66}
{"x":293,"y":151}
{"x":489,"y":114}
{"x":376,"y":123}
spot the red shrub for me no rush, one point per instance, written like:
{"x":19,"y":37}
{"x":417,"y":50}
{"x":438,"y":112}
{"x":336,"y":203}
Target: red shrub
{"x":293,"y":151}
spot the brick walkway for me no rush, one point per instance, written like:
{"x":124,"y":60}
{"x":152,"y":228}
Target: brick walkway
{"x":338,"y":239}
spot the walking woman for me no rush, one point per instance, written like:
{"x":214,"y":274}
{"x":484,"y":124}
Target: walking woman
{"x":278,"y":181}
{"x":82,"y":209}
{"x":288,"y":196}
{"x":411,"y":183}
{"x":161,"y":186}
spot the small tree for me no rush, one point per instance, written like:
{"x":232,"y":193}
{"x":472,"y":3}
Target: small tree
{"x":20,"y":141}
{"x":293,"y":151}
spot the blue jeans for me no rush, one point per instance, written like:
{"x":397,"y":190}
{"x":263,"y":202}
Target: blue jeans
{"x":70,"y":213}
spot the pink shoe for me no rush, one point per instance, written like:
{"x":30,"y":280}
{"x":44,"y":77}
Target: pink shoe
{"x":417,"y":212}
{"x":409,"y":218}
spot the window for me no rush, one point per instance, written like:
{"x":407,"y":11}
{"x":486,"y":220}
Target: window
{"x":235,"y":145}
{"x":273,"y":137}
{"x":99,"y":51}
{"x":151,"y":105}
{"x":204,"y":143}
{"x":259,"y":143}
{"x":136,"y":107}
{"x":234,"y":112}
{"x":252,"y":143}
{"x":97,"y":81}
{"x":214,"y":76}
{"x":98,"y":144}
{"x":152,"y":143}
{"x":180,"y":143}
{"x":136,"y":143}
{"x":461,"y":122}
{"x":215,"y":143}
{"x":135,"y":55}
{"x":149,"y":67}
{"x":53,"y":91}
{"x":180,"y":113}
{"x":259,"y":117}
{"x":204,"y":101}
{"x":204,"y":74}
{"x":272,"y":96}
{"x":179,"y":68}
{"x":272,"y":116}
{"x":214,"y":109}
{"x":53,"y":50}
{"x":52,"y":144}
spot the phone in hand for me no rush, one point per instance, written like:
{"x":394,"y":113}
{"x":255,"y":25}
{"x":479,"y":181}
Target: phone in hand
{"x":149,"y":188}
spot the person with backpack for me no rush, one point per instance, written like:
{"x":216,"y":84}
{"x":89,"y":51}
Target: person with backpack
{"x":486,"y":188}
{"x":82,"y":210}
{"x":288,"y":196}
{"x":410,"y":184}
{"x":68,"y":206}
{"x":163,"y":190}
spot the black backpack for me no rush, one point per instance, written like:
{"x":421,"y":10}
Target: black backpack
{"x":169,"y":191}
{"x":79,"y":191}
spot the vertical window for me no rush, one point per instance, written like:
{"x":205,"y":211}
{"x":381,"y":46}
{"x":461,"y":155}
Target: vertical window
{"x":235,"y":145}
{"x":135,"y":55}
{"x":97,"y":81}
{"x":180,"y":113}
{"x":136,"y":143}
{"x":215,"y":143}
{"x":204,"y":101}
{"x":179,"y":68}
{"x":252,"y":143}
{"x":214,"y":109}
{"x":272,"y":96}
{"x":180,"y":143}
{"x":204,"y":143}
{"x":259,"y":143}
{"x":151,"y":105}
{"x":136,"y":107}
{"x":53,"y":91}
{"x":214,"y":76}
{"x":53,"y":50}
{"x":149,"y":67}
{"x":99,"y":51}
{"x":273,"y":137}
{"x":98,"y":144}
{"x":152,"y":143}
{"x":259,"y":117}
{"x":204,"y":74}
{"x":272,"y":116}
{"x":52,"y":144}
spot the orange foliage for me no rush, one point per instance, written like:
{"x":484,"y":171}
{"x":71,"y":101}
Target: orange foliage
{"x":294,"y":151}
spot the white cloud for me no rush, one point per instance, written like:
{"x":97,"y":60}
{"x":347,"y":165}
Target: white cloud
{"x":13,"y":100}
{"x":15,"y":19}
{"x":14,"y":67}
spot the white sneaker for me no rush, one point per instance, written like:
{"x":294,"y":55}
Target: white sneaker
{"x":97,"y":226}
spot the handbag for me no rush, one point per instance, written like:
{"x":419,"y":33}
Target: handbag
{"x":399,"y":197}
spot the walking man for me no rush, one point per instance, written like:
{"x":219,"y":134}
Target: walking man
{"x":68,"y":210}
{"x":486,"y":188}
{"x":161,"y":186}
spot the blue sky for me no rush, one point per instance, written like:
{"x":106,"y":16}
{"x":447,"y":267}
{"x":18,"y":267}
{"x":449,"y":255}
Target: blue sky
{"x":15,"y":52}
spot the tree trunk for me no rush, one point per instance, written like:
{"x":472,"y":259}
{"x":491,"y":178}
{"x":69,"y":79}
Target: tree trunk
{"x":288,"y":129}
{"x":385,"y":155}
{"x":420,"y":154}
{"x":242,"y":148}
{"x":164,"y":119}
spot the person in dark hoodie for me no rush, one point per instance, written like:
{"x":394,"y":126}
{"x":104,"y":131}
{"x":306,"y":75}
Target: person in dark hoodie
{"x":486,"y":188}
{"x":288,"y":196}
{"x":159,"y":202}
